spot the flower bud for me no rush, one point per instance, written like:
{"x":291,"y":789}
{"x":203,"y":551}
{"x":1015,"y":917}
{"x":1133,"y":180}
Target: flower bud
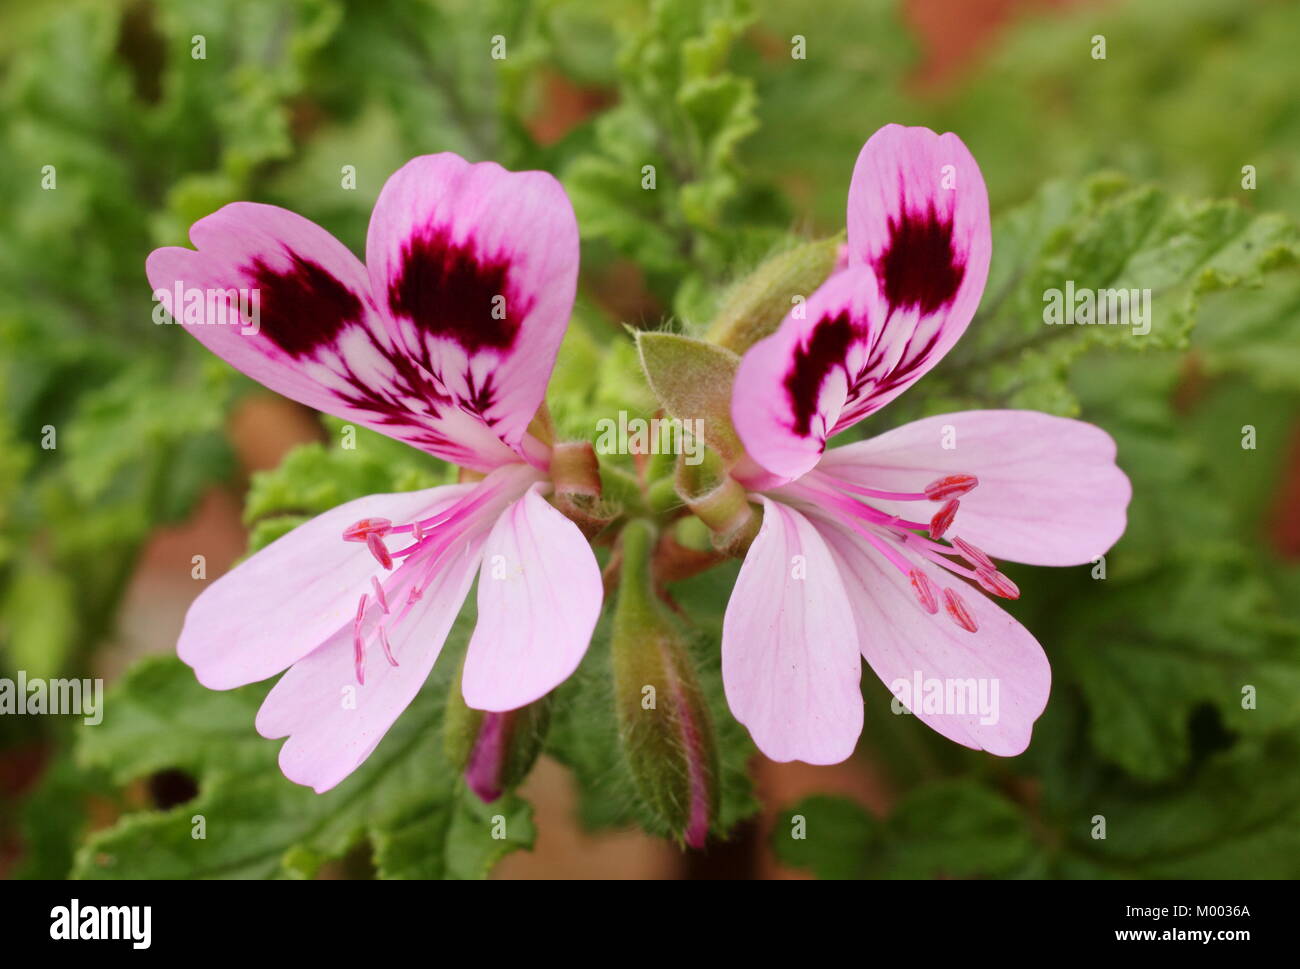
{"x":758,"y":303}
{"x":494,"y":750}
{"x":664,"y":725}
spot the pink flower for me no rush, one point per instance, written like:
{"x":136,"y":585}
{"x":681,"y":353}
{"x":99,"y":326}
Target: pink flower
{"x":444,"y":339}
{"x":838,"y":567}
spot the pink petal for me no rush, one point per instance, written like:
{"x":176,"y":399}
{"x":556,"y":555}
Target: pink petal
{"x":477,"y":268}
{"x":791,"y":388}
{"x":285,"y":601}
{"x":902,"y":642}
{"x":1049,"y":490}
{"x":790,"y":662}
{"x":919,"y":216}
{"x":318,"y":337}
{"x":539,"y":596}
{"x":332,"y":722}
{"x":918,"y":253}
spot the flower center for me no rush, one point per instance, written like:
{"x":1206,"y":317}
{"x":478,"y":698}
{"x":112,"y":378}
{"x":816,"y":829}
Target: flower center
{"x":434,"y":541}
{"x":899,"y":540}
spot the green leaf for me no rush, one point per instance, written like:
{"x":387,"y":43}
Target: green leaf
{"x":952,"y":829}
{"x":1235,"y":815}
{"x":680,"y":118}
{"x":1104,"y":234}
{"x":832,"y":837}
{"x":405,"y":799}
{"x":39,"y":607}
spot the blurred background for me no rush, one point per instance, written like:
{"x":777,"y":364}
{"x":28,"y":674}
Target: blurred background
{"x":1171,"y":163}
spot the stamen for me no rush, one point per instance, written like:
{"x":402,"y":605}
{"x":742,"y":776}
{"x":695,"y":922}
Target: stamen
{"x":866,"y":492}
{"x":996,"y":583}
{"x":379,"y":550}
{"x":379,"y":593}
{"x":924,"y":590}
{"x":935,"y":552}
{"x":942,"y":519}
{"x":899,"y":542}
{"x":460,"y":510}
{"x":361,"y":531}
{"x":858,"y":509}
{"x":388,"y":650}
{"x":951,"y":486}
{"x":358,"y":646}
{"x":957,"y":611}
{"x":973,"y":555}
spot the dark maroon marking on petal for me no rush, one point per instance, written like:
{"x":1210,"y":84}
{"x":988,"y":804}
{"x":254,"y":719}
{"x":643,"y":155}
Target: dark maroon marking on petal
{"x":826,"y":349}
{"x":449,"y":289}
{"x":481,"y":397}
{"x":391,"y":403}
{"x":303,"y":307}
{"x":868,"y":383}
{"x":920,"y":267}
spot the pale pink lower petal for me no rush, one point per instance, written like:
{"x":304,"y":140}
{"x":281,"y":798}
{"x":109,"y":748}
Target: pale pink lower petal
{"x":905,"y":645}
{"x":790,"y":662}
{"x":539,"y":596}
{"x":333,"y":723}
{"x":289,"y":598}
{"x":476,"y":268}
{"x":1049,"y":490}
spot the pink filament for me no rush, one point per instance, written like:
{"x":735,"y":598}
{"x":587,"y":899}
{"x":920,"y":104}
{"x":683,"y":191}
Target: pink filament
{"x":894,"y":537}
{"x":957,"y":611}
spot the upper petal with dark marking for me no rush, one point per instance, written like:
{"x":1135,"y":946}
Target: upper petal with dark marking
{"x":918,"y":257}
{"x":282,"y":300}
{"x":918,"y":216}
{"x":476,"y":268}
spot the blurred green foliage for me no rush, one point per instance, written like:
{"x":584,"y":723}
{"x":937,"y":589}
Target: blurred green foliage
{"x":1126,"y":171}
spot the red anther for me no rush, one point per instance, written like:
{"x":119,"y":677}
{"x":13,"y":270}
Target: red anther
{"x":379,"y":550}
{"x":973,"y":555}
{"x":924,"y":590}
{"x":958,"y":612}
{"x":359,"y":658}
{"x":996,"y":583}
{"x":358,"y":646}
{"x":942,"y":519}
{"x":379,"y":593}
{"x":388,"y":650}
{"x":362,"y":530}
{"x":951,"y":486}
